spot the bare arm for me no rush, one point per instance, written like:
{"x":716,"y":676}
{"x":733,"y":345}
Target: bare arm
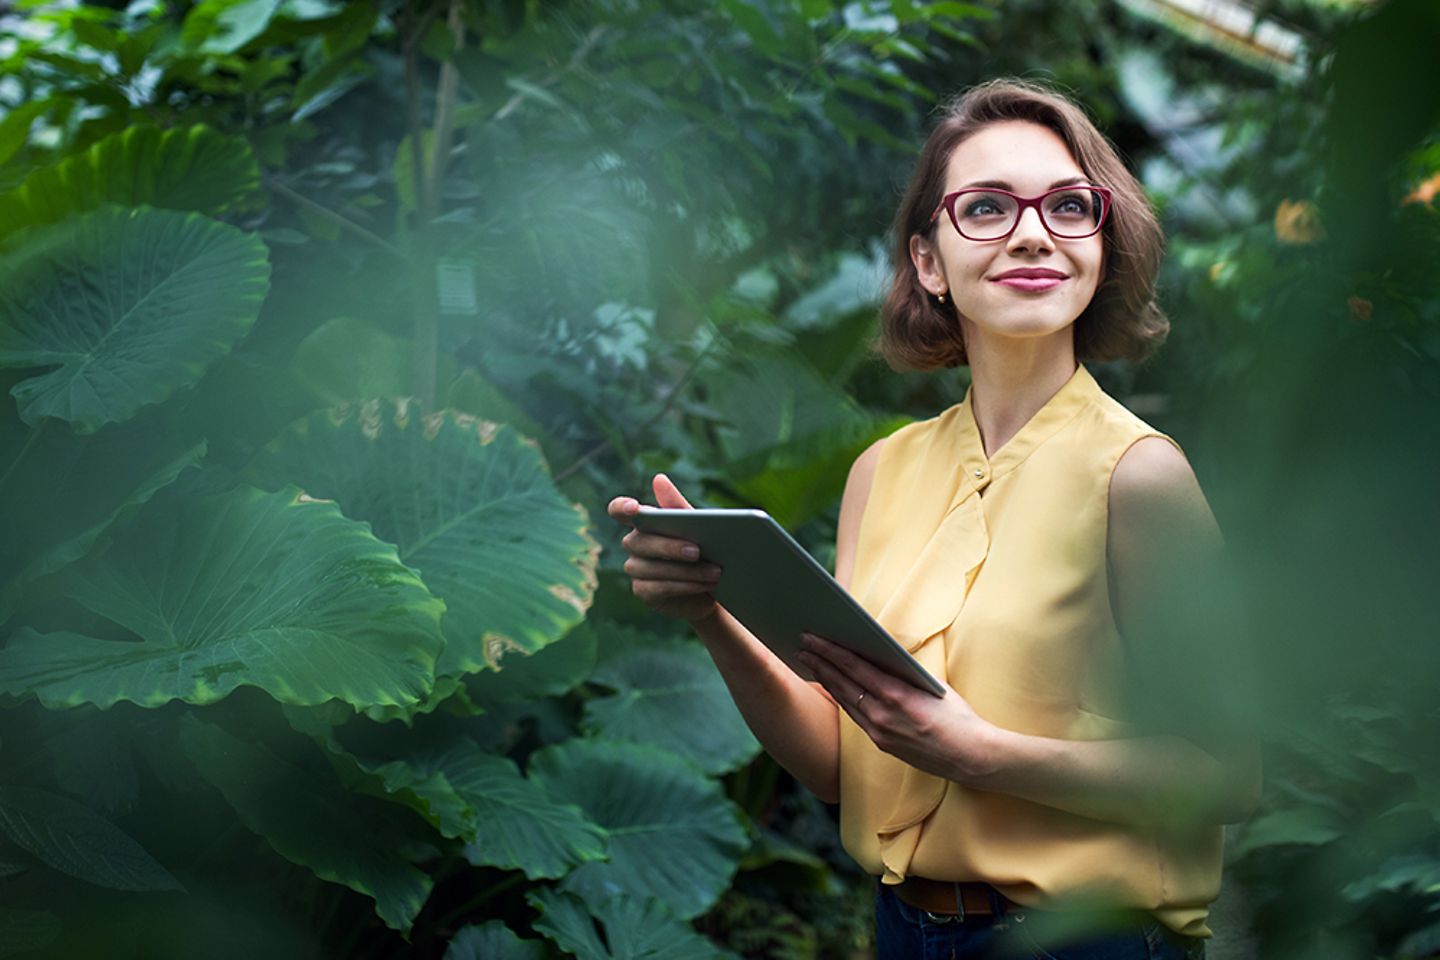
{"x":795,"y":721}
{"x":1155,"y":506}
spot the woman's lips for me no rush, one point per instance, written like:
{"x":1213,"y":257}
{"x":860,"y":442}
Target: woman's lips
{"x":1030,"y":284}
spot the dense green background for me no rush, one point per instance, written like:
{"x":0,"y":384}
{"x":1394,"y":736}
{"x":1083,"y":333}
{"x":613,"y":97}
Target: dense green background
{"x":301,"y":654}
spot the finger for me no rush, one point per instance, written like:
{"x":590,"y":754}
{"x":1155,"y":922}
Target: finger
{"x":667,"y":494}
{"x":843,"y":688}
{"x":863,"y":672}
{"x":657,"y":547}
{"x":643,"y":568}
{"x":623,"y":508}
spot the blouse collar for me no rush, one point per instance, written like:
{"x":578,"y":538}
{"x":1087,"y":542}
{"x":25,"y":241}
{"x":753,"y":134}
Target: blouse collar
{"x":1059,"y":410}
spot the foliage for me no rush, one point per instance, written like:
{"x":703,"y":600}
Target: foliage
{"x":304,"y":301}
{"x":276,"y":275}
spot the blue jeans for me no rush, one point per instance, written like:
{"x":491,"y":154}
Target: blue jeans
{"x":903,"y":932}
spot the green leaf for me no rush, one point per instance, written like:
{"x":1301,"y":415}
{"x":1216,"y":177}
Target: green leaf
{"x":15,"y":127}
{"x":957,"y":11}
{"x":551,"y":672}
{"x":348,"y":31}
{"x":310,"y":819}
{"x":1302,"y":826}
{"x":94,"y":35}
{"x":246,"y":589}
{"x":753,"y":22}
{"x":123,"y":308}
{"x":346,"y":359}
{"x":322,"y":87}
{"x":224,"y":26}
{"x":672,"y":833}
{"x":518,"y":826}
{"x":633,"y":930}
{"x":185,"y":168}
{"x":469,"y":505}
{"x":22,"y":931}
{"x":493,"y":941}
{"x":100,"y":478}
{"x":421,"y":786}
{"x":669,"y":694}
{"x":75,"y":840}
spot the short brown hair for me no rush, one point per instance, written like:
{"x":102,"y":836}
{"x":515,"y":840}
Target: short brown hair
{"x":1122,"y":320}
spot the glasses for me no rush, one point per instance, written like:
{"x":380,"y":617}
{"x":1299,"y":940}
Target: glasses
{"x":1068,"y":213}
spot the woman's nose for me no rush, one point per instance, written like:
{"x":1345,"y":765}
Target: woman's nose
{"x":1030,"y":232}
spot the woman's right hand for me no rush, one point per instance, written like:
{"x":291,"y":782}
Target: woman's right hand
{"x":665,"y":572}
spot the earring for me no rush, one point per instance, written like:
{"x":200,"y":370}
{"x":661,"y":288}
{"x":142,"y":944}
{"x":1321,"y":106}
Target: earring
{"x":942,"y":299}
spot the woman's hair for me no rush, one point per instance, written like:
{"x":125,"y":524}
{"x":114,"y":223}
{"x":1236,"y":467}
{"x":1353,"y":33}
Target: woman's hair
{"x":1122,"y":320}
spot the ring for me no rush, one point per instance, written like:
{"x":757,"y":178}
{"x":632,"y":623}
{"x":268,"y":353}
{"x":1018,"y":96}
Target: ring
{"x":859,"y":698}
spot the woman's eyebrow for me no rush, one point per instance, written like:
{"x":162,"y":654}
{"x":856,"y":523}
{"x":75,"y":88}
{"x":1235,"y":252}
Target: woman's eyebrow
{"x":1004,"y":185}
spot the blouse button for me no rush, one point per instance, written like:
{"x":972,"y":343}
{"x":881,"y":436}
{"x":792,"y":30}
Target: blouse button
{"x":979,"y":474}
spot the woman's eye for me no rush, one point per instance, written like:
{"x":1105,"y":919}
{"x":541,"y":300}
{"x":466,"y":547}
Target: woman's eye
{"x":980,"y":208}
{"x":1070,"y":207}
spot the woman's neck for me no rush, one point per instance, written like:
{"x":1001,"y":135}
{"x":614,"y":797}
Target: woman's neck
{"x":1010,"y":382}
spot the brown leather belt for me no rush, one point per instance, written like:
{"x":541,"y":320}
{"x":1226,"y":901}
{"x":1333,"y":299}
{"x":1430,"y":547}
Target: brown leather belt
{"x":939,"y":897}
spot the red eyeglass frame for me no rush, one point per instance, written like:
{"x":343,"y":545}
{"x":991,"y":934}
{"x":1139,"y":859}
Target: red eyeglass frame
{"x":947,"y":203}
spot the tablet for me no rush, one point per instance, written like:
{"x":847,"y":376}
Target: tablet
{"x":779,"y":591}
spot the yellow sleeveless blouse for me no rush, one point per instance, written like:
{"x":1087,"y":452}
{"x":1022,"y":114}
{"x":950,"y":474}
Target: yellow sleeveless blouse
{"x":992,"y":572}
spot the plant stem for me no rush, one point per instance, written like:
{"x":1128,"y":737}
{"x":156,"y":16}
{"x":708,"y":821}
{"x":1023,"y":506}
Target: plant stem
{"x":422,"y":273}
{"x":494,"y":890}
{"x":339,"y":219}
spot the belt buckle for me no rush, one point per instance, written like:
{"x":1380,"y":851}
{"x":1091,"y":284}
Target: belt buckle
{"x":957,"y":917}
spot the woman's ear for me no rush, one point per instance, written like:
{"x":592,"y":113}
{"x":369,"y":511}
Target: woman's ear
{"x":926,"y":257}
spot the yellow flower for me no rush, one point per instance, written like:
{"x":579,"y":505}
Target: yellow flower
{"x":1298,"y":223}
{"x":1425,"y":191}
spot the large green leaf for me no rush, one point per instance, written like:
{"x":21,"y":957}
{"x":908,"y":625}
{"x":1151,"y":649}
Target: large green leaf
{"x":517,"y":824}
{"x":269,"y":590}
{"x":124,"y":307}
{"x":551,"y":672}
{"x":184,"y":168}
{"x":633,"y":930}
{"x":309,"y":818}
{"x":493,"y":941}
{"x":668,"y":693}
{"x":672,"y":834}
{"x":469,"y":504}
{"x":99,"y":478}
{"x":73,"y":839}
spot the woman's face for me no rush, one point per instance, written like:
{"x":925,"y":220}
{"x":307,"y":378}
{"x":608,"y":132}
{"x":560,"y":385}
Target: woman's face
{"x":1027,"y":159}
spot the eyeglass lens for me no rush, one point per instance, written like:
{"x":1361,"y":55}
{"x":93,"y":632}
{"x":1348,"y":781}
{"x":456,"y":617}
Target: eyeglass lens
{"x":982,"y":215}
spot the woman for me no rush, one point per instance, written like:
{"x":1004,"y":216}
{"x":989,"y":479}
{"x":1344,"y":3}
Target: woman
{"x":1019,"y":544}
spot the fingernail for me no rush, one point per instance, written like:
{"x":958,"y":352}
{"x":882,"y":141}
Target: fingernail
{"x":690,"y":552}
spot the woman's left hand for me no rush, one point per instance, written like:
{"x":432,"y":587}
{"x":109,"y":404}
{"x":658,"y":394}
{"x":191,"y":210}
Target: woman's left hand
{"x":940,"y":735}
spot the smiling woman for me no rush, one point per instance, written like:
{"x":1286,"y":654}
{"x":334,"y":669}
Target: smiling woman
{"x":1021,"y":545}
